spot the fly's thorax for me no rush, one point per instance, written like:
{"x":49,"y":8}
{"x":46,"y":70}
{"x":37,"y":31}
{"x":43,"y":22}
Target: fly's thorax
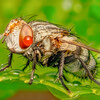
{"x":43,"y":30}
{"x":52,"y":37}
{"x":18,"y":36}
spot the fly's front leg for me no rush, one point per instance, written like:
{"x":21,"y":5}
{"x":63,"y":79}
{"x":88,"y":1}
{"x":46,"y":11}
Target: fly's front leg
{"x":33,"y":69}
{"x":28,"y":62}
{"x":87,"y":70}
{"x":61,"y":71}
{"x":9,"y":62}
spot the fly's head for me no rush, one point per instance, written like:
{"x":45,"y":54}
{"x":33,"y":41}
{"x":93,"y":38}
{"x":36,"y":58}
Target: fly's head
{"x":18,"y":36}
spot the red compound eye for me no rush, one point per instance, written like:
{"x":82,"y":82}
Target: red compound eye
{"x":28,"y":40}
{"x":25,"y":37}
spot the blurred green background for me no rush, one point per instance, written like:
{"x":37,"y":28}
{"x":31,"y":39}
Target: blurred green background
{"x":83,"y":16}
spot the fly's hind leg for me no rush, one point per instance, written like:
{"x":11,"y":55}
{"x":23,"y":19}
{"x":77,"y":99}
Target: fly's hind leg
{"x":9,"y":62}
{"x":61,"y":71}
{"x":87,"y":70}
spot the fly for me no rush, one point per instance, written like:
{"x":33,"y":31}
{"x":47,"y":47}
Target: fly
{"x":49,"y":44}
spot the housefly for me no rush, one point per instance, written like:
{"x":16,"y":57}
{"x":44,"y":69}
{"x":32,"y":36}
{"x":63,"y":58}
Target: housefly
{"x":51,"y":45}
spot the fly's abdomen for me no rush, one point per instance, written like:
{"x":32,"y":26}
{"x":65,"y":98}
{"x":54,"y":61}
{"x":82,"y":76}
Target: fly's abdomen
{"x":74,"y":66}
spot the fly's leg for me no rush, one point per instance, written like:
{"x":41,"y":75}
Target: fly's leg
{"x":61,"y":71}
{"x":28,"y":62}
{"x":32,"y":74}
{"x":33,"y":69}
{"x":88,"y":71}
{"x":9,"y":62}
{"x":65,"y":78}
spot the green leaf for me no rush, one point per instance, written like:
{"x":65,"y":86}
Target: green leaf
{"x":46,"y":76}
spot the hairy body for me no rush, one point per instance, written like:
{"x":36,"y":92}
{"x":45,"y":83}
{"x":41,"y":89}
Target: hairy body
{"x":50,"y":45}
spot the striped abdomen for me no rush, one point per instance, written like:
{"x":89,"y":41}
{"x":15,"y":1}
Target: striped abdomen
{"x":73,"y":65}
